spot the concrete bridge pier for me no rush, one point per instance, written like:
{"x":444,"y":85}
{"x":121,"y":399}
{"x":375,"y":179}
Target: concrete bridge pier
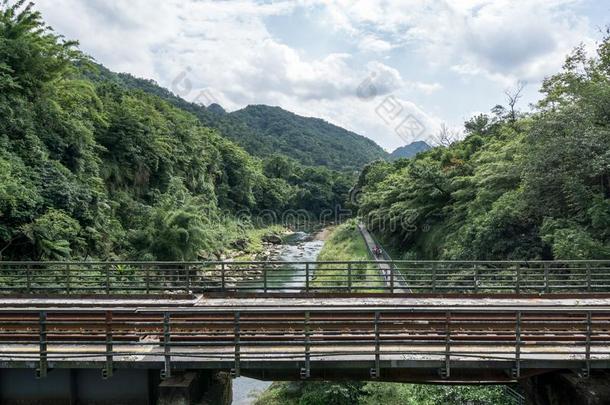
{"x":201,"y":387}
{"x":568,"y":388}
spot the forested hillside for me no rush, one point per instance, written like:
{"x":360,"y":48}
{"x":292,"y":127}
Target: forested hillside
{"x":90,"y":167}
{"x":311,"y":141}
{"x":519,"y":186}
{"x":263,"y":130}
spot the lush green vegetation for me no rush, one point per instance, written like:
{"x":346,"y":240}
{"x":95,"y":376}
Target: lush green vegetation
{"x":311,"y":141}
{"x":519,"y":186}
{"x":354,"y":393}
{"x":344,"y":243}
{"x":264,"y":131}
{"x":93,"y":168}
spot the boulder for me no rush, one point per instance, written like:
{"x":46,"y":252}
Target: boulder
{"x":240,"y":244}
{"x":272,"y":238}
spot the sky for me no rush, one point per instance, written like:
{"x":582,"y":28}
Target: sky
{"x":391,"y":70}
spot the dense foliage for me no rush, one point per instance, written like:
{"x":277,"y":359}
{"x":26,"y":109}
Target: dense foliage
{"x":521,"y":186}
{"x":93,"y":168}
{"x":356,"y":393}
{"x":310,"y":141}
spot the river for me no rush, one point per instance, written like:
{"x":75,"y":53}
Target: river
{"x":299,"y":246}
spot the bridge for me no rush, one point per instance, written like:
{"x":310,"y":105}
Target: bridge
{"x":166,"y":323}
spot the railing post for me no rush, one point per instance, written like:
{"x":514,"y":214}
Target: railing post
{"x":306,"y":372}
{"x":476,"y":278}
{"x":349,"y":277}
{"x":434,"y":277}
{"x":108,"y":370}
{"x":587,"y":370}
{"x":517,"y":370}
{"x":167,"y":370}
{"x":446,"y":371}
{"x":265,"y":277}
{"x":222,"y":277}
{"x":147,"y":276}
{"x":236,"y":372}
{"x":376,"y":373}
{"x":588,"y":277}
{"x":518,"y":282}
{"x":41,"y":372}
{"x":306,"y":277}
{"x":107,"y":271}
{"x":28,"y":279}
{"x":68,"y":279}
{"x":187,"y":269}
{"x":546,"y":278}
{"x":392,"y":279}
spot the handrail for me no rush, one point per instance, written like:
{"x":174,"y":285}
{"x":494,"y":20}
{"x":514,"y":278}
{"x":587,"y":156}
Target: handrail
{"x":83,"y":262}
{"x":511,"y":339}
{"x":267,"y":277}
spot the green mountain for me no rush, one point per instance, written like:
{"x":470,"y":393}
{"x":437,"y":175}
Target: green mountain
{"x":310,"y":141}
{"x":265,"y":131}
{"x":410,"y":150}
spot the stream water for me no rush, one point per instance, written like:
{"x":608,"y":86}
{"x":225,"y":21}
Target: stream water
{"x":299,"y":246}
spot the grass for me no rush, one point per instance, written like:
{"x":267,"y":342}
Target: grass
{"x":346,"y":244}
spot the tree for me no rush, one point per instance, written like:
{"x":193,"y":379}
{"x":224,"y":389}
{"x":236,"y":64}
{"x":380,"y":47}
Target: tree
{"x":517,"y":186}
{"x":446,"y":136}
{"x":31,"y":55}
{"x":55,"y":235}
{"x":512,"y":98}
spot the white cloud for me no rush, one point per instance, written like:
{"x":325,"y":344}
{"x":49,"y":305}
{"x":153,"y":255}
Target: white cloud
{"x":426,"y":88}
{"x":224,"y":46}
{"x":371,"y":43}
{"x":504,"y":39}
{"x":225,"y":50}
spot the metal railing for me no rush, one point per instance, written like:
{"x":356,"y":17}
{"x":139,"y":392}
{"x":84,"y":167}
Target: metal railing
{"x":264,"y":277}
{"x":515,"y":394}
{"x":510,"y":340}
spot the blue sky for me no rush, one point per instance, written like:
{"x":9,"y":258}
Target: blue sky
{"x":369,"y":66}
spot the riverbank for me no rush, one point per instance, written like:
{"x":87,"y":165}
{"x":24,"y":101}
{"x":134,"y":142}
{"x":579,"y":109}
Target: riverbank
{"x":344,"y":243}
{"x":260,"y":244}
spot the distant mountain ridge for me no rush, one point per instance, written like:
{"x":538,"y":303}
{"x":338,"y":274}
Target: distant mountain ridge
{"x":311,"y":141}
{"x":265,"y":131}
{"x":410,"y":150}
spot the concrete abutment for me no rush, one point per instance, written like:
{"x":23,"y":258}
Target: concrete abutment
{"x":126,"y":386}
